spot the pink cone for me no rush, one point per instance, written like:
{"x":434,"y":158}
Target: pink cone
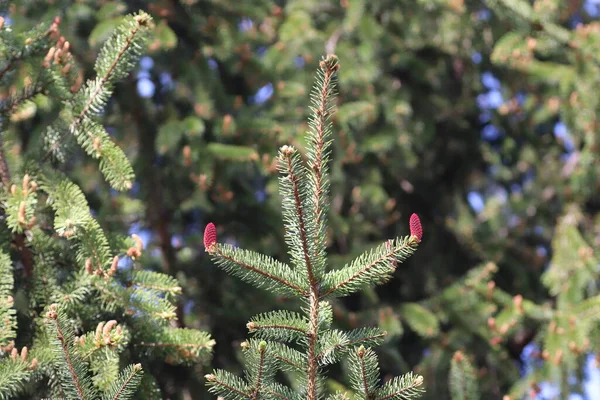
{"x":210,"y":235}
{"x":416,"y":229}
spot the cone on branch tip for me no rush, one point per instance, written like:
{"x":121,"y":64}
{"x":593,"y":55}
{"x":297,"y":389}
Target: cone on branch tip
{"x":416,"y":230}
{"x":210,"y":236}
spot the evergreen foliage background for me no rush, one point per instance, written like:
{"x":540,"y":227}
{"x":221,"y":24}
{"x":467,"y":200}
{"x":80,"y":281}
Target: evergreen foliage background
{"x":479,"y":116}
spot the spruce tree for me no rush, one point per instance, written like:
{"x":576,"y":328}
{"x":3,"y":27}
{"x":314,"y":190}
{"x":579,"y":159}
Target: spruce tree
{"x":72,"y":314}
{"x":304,"y":344}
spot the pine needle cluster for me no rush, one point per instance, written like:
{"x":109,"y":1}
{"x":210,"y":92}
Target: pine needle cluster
{"x":303,"y":344}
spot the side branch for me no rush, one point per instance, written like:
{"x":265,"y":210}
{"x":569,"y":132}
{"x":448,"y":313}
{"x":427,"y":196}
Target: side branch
{"x":216,"y":381}
{"x":278,"y":395}
{"x":4,"y":172}
{"x":26,"y":256}
{"x":362,"y":340}
{"x":322,"y":112}
{"x":97,"y":91}
{"x":53,"y":30}
{"x":261,"y":363}
{"x":177,"y":345}
{"x":289,"y":362}
{"x":253,"y":326}
{"x":240,"y":263}
{"x":412,"y":388}
{"x":386,"y":261}
{"x":123,"y":387}
{"x":68,"y":361}
{"x":363,"y":374}
{"x":299,"y":210}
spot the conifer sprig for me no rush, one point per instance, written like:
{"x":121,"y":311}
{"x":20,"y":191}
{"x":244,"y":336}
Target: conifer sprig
{"x":67,"y":259}
{"x":116,"y":58}
{"x":73,"y":372}
{"x":7,"y":311}
{"x":319,"y":137}
{"x":462,"y":379}
{"x":313,"y":344}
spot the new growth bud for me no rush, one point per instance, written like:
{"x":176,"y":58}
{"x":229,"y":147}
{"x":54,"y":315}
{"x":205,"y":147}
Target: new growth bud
{"x":287,"y":150}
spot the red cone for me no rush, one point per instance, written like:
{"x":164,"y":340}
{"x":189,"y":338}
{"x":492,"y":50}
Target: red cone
{"x":210,"y":235}
{"x":416,"y":229}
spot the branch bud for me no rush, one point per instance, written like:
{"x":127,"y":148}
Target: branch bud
{"x":113,"y":266}
{"x":419,"y":380}
{"x":361,"y":351}
{"x":287,"y":150}
{"x":251,"y":326}
{"x":21,"y":213}
{"x":52,"y":314}
{"x":88,"y":266}
{"x":108,"y":327}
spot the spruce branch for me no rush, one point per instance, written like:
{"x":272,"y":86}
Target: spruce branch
{"x":176,"y":345}
{"x":126,"y":384}
{"x":319,"y":148}
{"x":298,"y":215}
{"x":406,"y":387}
{"x":312,"y":226}
{"x":462,"y":378}
{"x":227,"y":385}
{"x":278,"y":391}
{"x":20,"y":239}
{"x":376,"y":265}
{"x":365,"y":371}
{"x":260,"y":370}
{"x":301,"y":237}
{"x":4,"y":171}
{"x":116,"y":58}
{"x":304,"y":190}
{"x":73,"y":371}
{"x":7,"y":311}
{"x":312,"y":354}
{"x":156,"y":282}
{"x":335,"y":343}
{"x":279,"y":325}
{"x":97,"y":89}
{"x":289,"y":359}
{"x":73,"y":220}
{"x":261,"y":271}
{"x":36,"y":41}
{"x":16,"y":370}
